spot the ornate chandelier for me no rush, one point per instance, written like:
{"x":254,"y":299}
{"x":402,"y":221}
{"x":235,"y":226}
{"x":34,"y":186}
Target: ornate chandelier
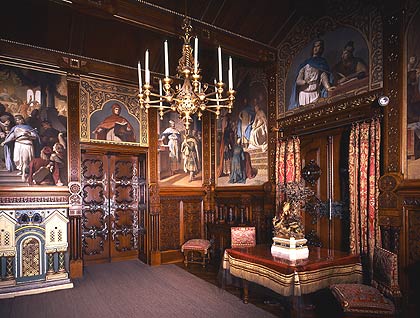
{"x":190,"y":96}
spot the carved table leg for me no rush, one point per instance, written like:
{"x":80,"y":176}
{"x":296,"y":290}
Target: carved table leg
{"x":295,"y":306}
{"x":245,"y":290}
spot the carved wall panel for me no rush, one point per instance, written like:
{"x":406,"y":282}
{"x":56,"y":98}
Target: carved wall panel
{"x":181,"y":220}
{"x":192,"y":219}
{"x":392,"y":86}
{"x":413,"y":236}
{"x":170,"y":219}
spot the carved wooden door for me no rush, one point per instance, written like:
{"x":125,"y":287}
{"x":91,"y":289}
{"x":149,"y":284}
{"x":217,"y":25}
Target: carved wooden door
{"x":327,"y":153}
{"x":113,"y":194}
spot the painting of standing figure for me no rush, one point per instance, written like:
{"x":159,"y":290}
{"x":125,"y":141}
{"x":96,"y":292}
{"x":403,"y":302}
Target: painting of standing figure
{"x":179,"y":152}
{"x":33,"y":128}
{"x":242,"y":135}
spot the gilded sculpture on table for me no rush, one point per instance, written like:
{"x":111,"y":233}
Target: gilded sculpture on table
{"x":289,"y":239}
{"x":288,"y":224}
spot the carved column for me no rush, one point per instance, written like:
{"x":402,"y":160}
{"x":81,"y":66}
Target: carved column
{"x":393,"y":88}
{"x":75,"y":199}
{"x":153,"y":222}
{"x":390,"y":208}
{"x":270,"y":186}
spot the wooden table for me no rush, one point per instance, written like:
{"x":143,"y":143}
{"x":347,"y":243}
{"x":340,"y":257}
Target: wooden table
{"x":322,"y":268}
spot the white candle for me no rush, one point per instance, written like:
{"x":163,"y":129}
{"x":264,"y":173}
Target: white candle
{"x":160,"y":92}
{"x":166,"y":59}
{"x":196,"y":55}
{"x":147,"y":71}
{"x":140,"y":82}
{"x":219,"y":54}
{"x":230,"y":74}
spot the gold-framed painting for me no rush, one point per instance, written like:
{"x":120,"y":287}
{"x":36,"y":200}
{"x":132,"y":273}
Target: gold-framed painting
{"x":332,"y":59}
{"x":33,"y":126}
{"x":242,"y":135}
{"x":180,"y":156}
{"x":110,"y":114}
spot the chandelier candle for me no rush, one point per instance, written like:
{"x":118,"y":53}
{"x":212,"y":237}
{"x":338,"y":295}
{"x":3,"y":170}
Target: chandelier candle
{"x":165,"y":45}
{"x":195,"y":55}
{"x":140,"y":83}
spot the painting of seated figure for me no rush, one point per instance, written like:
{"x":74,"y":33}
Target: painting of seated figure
{"x":329,"y":68}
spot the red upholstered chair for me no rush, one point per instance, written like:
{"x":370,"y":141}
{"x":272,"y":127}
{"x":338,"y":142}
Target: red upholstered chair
{"x":243,"y":236}
{"x":381,"y":299}
{"x":196,"y":246}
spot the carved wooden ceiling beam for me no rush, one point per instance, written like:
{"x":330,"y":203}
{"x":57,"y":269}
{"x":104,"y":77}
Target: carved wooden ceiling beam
{"x":169,"y":22}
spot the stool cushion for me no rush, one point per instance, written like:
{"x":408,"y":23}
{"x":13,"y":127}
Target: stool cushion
{"x":196,"y":245}
{"x":359,"y":298}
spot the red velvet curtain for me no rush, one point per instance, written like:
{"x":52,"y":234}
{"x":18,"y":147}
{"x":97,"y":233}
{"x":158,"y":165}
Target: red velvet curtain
{"x":288,"y":164}
{"x":364,"y":174}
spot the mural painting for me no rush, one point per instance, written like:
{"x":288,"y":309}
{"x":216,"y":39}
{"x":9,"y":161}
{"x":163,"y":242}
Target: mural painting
{"x":413,"y":99}
{"x":33,"y":127}
{"x":114,"y":123}
{"x":242,"y":136}
{"x":110,"y":114}
{"x":180,"y":152}
{"x":330,"y":67}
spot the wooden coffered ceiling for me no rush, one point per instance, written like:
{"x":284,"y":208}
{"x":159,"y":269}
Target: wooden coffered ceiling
{"x":248,"y":28}
{"x":119,"y":31}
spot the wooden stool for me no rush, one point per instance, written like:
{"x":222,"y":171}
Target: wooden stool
{"x":196,"y":245}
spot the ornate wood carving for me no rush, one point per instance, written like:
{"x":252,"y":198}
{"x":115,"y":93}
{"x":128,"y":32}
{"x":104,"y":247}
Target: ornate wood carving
{"x":110,"y":222}
{"x":170,"y":216}
{"x":192,"y":220}
{"x":388,"y":184}
{"x":331,"y":116}
{"x":392,"y":87}
{"x":311,"y":172}
{"x":388,"y":200}
{"x":271,"y":117}
{"x":212,"y":181}
{"x":35,"y":200}
{"x":413,"y":235}
{"x":73,"y":134}
{"x":414,"y":202}
{"x":93,"y":95}
{"x":153,"y":145}
{"x":206,"y":149}
{"x":177,"y":211}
